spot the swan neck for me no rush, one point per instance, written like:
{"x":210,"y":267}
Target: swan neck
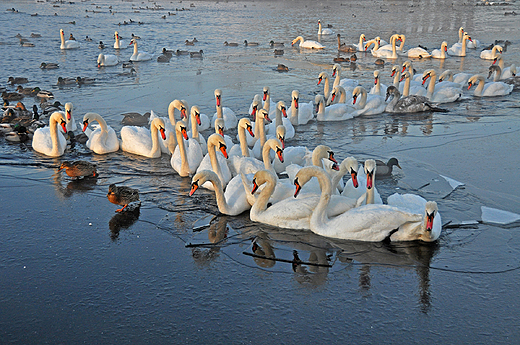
{"x":261,"y":203}
{"x":222,"y":204}
{"x":53,"y":127}
{"x":265,"y":157}
{"x":194,"y":128}
{"x":243,"y":141}
{"x":156,"y":149}
{"x":406,"y":89}
{"x":294,"y":114}
{"x":219,"y":112}
{"x":171,"y":113}
{"x":431,"y":86}
{"x":278,"y":120}
{"x":135,"y":48}
{"x":212,"y":151}
{"x":319,"y":216}
{"x":102,"y":122}
{"x":185,"y":168}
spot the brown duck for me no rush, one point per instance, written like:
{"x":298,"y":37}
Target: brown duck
{"x":79,"y":169}
{"x":122,"y":195}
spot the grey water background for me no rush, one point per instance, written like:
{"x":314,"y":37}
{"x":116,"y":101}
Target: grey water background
{"x":73,"y":271}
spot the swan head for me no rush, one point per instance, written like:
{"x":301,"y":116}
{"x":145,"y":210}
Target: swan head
{"x":494,"y":69}
{"x":281,"y":106}
{"x":58,"y":118}
{"x":404,"y":76}
{"x":246,"y":124}
{"x":100,"y":59}
{"x":261,"y":177}
{"x":477,"y":78}
{"x":376,"y":76}
{"x":467,"y":37}
{"x":280,"y":135}
{"x":335,"y":91}
{"x":428,"y":74}
{"x":158,"y":124}
{"x":68,"y":111}
{"x":295,"y":94}
{"x":276,"y":146}
{"x":446,"y":75}
{"x":497,"y":58}
{"x":257,"y":101}
{"x":201,"y":177}
{"x":322,"y":76}
{"x":392,"y":91}
{"x":358,"y":90}
{"x":431,"y":232}
{"x":262,"y":113}
{"x":336,"y":68}
{"x":297,"y":39}
{"x":220,"y":126}
{"x":406,"y":65}
{"x":218,"y":141}
{"x":180,"y":126}
{"x":362,"y":37}
{"x":319,"y":99}
{"x":350,"y":165}
{"x":133,"y":41}
{"x":266,"y":92}
{"x":87,"y":118}
{"x":218,"y":95}
{"x":195,"y":112}
{"x":304,"y":175}
{"x":395,"y":68}
{"x":444,"y":46}
{"x":370,"y":171}
{"x":61,"y":32}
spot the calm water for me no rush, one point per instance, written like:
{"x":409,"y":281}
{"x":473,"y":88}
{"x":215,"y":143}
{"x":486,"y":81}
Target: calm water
{"x":74,"y":271}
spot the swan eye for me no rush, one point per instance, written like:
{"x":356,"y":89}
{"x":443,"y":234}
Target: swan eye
{"x":222,"y":146}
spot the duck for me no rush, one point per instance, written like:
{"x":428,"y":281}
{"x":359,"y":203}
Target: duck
{"x":407,"y":104}
{"x":66,"y":81}
{"x":274,"y":44}
{"x":440,"y":53}
{"x":325,"y":31}
{"x":307,"y":44}
{"x":459,"y":49}
{"x":17,"y":80}
{"x":442,"y":95}
{"x":139,"y":56}
{"x":230,"y":44}
{"x":195,"y":54}
{"x":49,"y":65}
{"x":187,"y":155}
{"x":49,"y":140}
{"x":79,"y":169}
{"x":506,"y":72}
{"x":251,"y":44}
{"x":25,"y":91}
{"x":215,"y":161}
{"x":302,"y":113}
{"x":334,"y":112}
{"x":107,"y":60}
{"x":385,"y":169}
{"x":103,"y":139}
{"x":12,"y":96}
{"x":490,"y":89}
{"x":368,"y":104}
{"x":491,"y":54}
{"x":101,"y":45}
{"x":135,"y":119}
{"x":119,"y":43}
{"x":141,"y":141}
{"x":85,"y":80}
{"x":48,"y":108}
{"x":232,"y":202}
{"x":69,"y":44}
{"x":224,"y":112}
{"x":45,"y":94}
{"x":123,"y":196}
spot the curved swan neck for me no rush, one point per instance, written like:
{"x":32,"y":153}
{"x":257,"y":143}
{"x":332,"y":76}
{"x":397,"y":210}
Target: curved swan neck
{"x":99,"y":119}
{"x":135,"y":47}
{"x":212,"y":152}
{"x":294,"y":110}
{"x":243,"y":140}
{"x":194,"y":126}
{"x":406,"y":88}
{"x":431,"y":85}
{"x":156,"y":148}
{"x":319,"y":215}
{"x":53,"y":123}
{"x":171,"y":112}
{"x":185,"y":168}
{"x":222,"y":204}
{"x":265,"y":156}
{"x":262,"y":200}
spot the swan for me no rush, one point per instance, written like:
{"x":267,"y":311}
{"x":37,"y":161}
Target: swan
{"x":361,"y":44}
{"x":397,"y":77}
{"x":139,"y":56}
{"x":440,"y":53}
{"x":250,"y":165}
{"x":444,"y":95}
{"x":220,"y":127}
{"x":281,"y":121}
{"x":334,"y":112}
{"x":224,"y":112}
{"x":408,"y":104}
{"x":459,"y":78}
{"x":488,"y":89}
{"x":507,"y":72}
{"x":187,"y":156}
{"x":346,"y":83}
{"x":491,"y":54}
{"x":194,"y":133}
{"x":334,"y":99}
{"x":71,"y":123}
{"x":325,"y":31}
{"x":232,"y":202}
{"x":378,"y":88}
{"x":215,"y":161}
{"x":300,"y":113}
{"x":141,"y":141}
{"x":307,"y":44}
{"x":260,"y":137}
{"x":348,"y":166}
{"x":119,"y":43}
{"x":415,"y":78}
{"x":241,"y":149}
{"x":429,"y":230}
{"x":418,"y":53}
{"x":69,"y":44}
{"x":107,"y":60}
{"x":103,"y":139}
{"x":292,"y":154}
{"x":459,"y":49}
{"x":496,"y":72}
{"x":48,"y":140}
{"x":367,"y":105}
{"x":411,"y":88}
{"x":383,"y":45}
{"x":347,"y":48}
{"x":363,"y":188}
{"x":385,"y":53}
{"x":324,"y":76}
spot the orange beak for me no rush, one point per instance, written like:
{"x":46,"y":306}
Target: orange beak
{"x":218,"y":101}
{"x":184,"y":133}
{"x":354,"y":99}
{"x":197,"y":116}
{"x":402,"y":77}
{"x":370,"y":180}
{"x":319,"y":80}
{"x":429,"y":221}
{"x":250,"y":130}
{"x":64,"y":126}
{"x":267,"y":118}
{"x":183,"y":113}
{"x":353,"y":174}
{"x":333,"y":97}
{"x":282,"y":140}
{"x":255,"y":187}
{"x":265,"y":96}
{"x":284,"y":112}
{"x":253,"y":113}
{"x":335,"y":167}
{"x":279,"y":153}
{"x":163,"y":135}
{"x":331,"y":157}
{"x":223,"y":150}
{"x":469,"y":85}
{"x":220,"y":130}
{"x":425,"y":78}
{"x":296,"y":103}
{"x":68,"y":115}
{"x":85,"y":125}
{"x":334,"y":72}
{"x":393,"y":72}
{"x":194,"y":187}
{"x":404,"y":67}
{"x":375,"y":81}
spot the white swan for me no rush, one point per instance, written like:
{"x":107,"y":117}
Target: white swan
{"x":334,"y":112}
{"x":384,"y":53}
{"x":383,"y":45}
{"x":459,"y":78}
{"x":216,"y":161}
{"x":346,"y":83}
{"x":325,"y":31}
{"x":139,"y":56}
{"x":378,"y":88}
{"x":250,"y":165}
{"x":409,"y":88}
{"x":324,"y":77}
{"x":459,"y":49}
{"x":408,"y":104}
{"x":141,"y":141}
{"x":281,"y":121}
{"x":69,"y":118}
{"x":168,"y":145}
{"x":107,"y":60}
{"x":187,"y":155}
{"x":69,"y":44}
{"x":300,"y":113}
{"x":260,"y":137}
{"x":440,"y":53}
{"x":506,"y":72}
{"x":442,"y":95}
{"x":361,"y":44}
{"x":491,"y":54}
{"x":119,"y":43}
{"x":367,"y":105}
{"x":48,"y":140}
{"x":224,"y":112}
{"x":488,"y":89}
{"x":418,"y":53}
{"x":231,"y":202}
{"x":103,"y":139}
{"x":194,"y":133}
{"x":241,"y":149}
{"x":307,"y":44}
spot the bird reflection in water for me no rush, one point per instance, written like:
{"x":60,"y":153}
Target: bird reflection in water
{"x":217,"y":233}
{"x":123,"y":220}
{"x":82,"y":185}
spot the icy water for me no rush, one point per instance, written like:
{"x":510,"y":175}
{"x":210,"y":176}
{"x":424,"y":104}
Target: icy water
{"x":73,"y":271}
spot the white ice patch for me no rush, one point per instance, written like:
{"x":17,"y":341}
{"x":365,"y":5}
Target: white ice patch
{"x":496,"y":216}
{"x":453,"y":183}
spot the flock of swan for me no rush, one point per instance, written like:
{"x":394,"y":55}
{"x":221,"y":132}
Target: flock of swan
{"x":293,"y":187}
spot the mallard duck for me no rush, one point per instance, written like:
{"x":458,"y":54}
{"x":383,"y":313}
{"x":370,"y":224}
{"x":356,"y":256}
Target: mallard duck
{"x":189,"y":43}
{"x":251,"y":44}
{"x":122,"y":195}
{"x":25,"y":91}
{"x":182,"y":52}
{"x":167,"y":52}
{"x":49,"y":65}
{"x":85,"y":80}
{"x":135,"y":119}
{"x":385,"y":169}
{"x":276,"y":44}
{"x":79,"y":169}
{"x":48,"y":108}
{"x":230,"y":44}
{"x":17,"y":80}
{"x":66,"y":81}
{"x":101,"y":45}
{"x":12,"y":96}
{"x":18,"y":134}
{"x":35,"y":35}
{"x":196,"y":54}
{"x":43,"y":93}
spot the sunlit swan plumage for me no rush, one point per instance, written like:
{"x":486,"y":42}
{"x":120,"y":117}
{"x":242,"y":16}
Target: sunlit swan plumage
{"x":334,"y":112}
{"x":281,"y":120}
{"x":241,"y":149}
{"x":103,"y":139}
{"x":307,"y":44}
{"x":69,"y":44}
{"x":119,"y":43}
{"x":506,"y":72}
{"x":367,"y":104}
{"x":137,"y":55}
{"x":442,"y":95}
{"x":440,"y":53}
{"x":142,"y":141}
{"x":346,"y":83}
{"x":195,"y":122}
{"x":410,"y":87}
{"x":491,"y":54}
{"x":224,"y":112}
{"x":488,"y":89}
{"x":366,"y":192}
{"x":107,"y":60}
{"x":188,"y":154}
{"x":301,"y":113}
{"x":459,"y":78}
{"x":49,"y":140}
{"x":216,"y":160}
{"x":378,"y":88}
{"x":459,"y":49}
{"x":69,"y":118}
{"x":385,"y":53}
{"x":325,"y":31}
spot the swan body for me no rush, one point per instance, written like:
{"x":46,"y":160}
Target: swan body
{"x":346,"y":83}
{"x":48,"y":140}
{"x":459,"y":78}
{"x":408,"y":104}
{"x":324,"y":77}
{"x":307,"y":44}
{"x":141,"y":141}
{"x":302,"y":113}
{"x":119,"y":43}
{"x":187,"y":155}
{"x":224,"y":112}
{"x":107,"y":60}
{"x":459,"y":49}
{"x":361,"y":44}
{"x":440,"y":53}
{"x":325,"y":31}
{"x":103,"y":139}
{"x":69,"y":44}
{"x":334,"y":112}
{"x":418,"y":53}
{"x":491,"y":54}
{"x":488,"y":89}
{"x":506,"y":72}
{"x":216,"y":161}
{"x":137,"y":55}
{"x":367,"y":105}
{"x":411,"y":87}
{"x":444,"y":95}
{"x":384,"y":53}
